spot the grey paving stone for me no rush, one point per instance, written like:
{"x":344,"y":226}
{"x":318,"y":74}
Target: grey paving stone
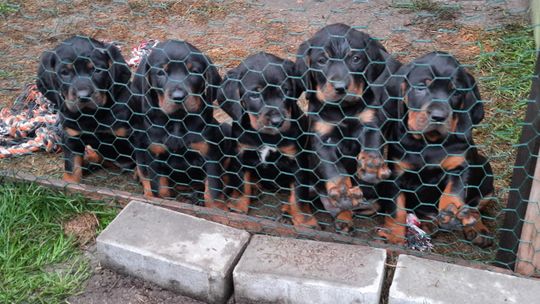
{"x":418,"y":280}
{"x":284,"y":270}
{"x":192,"y":256}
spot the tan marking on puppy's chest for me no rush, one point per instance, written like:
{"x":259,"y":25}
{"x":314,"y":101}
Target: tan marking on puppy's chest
{"x":157,"y":149}
{"x":401,"y":166}
{"x":322,"y":127}
{"x":289,"y":151}
{"x":201,"y":147}
{"x":121,"y":132}
{"x":193,"y":103}
{"x":243,"y":147}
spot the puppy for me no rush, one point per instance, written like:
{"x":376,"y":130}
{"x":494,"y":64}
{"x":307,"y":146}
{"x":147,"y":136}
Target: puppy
{"x":261,"y":96}
{"x":339,"y":66}
{"x":87,"y":82}
{"x":178,"y":141}
{"x":434,"y":103}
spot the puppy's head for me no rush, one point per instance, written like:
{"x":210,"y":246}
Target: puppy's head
{"x":440,"y":97}
{"x":82,"y":74}
{"x":338,"y":63}
{"x":262,"y":88}
{"x":177,"y":77}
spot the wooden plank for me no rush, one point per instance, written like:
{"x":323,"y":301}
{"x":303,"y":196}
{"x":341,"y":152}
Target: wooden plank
{"x":520,"y":188}
{"x":528,"y":256}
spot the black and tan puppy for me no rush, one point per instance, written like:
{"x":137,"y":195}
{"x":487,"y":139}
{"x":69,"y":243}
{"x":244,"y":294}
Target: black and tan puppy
{"x":434,"y":103}
{"x":339,"y":65}
{"x":261,"y":96}
{"x":87,"y":80}
{"x":178,"y":142}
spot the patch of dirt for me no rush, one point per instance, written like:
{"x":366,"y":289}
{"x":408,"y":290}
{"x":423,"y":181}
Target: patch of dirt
{"x":109,"y":287}
{"x":82,"y":227}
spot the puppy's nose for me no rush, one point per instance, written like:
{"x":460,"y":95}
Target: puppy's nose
{"x":438,"y":115}
{"x":178,"y":94}
{"x":340,"y":87}
{"x":84,"y":93}
{"x":276,"y":121}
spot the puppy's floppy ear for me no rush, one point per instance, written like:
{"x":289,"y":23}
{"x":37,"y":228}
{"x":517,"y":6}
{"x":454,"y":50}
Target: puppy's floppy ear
{"x":141,"y":88}
{"x":377,"y":61}
{"x":472,"y":101}
{"x":47,"y":79}
{"x":213,"y":81}
{"x":292,"y":74}
{"x":228,"y":96}
{"x":393,"y":94}
{"x":302,"y":65}
{"x":118,"y":68}
{"x":141,"y":84}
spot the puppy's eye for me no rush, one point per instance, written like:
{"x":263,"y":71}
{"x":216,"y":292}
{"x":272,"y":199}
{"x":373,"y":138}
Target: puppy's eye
{"x":420,"y":86}
{"x":356,"y":59}
{"x":460,"y":92}
{"x":65,"y":72}
{"x":99,"y":70}
{"x":322,"y":60}
{"x":255,"y":94}
{"x":193,"y":68}
{"x":287,"y":92}
{"x":161,"y":72}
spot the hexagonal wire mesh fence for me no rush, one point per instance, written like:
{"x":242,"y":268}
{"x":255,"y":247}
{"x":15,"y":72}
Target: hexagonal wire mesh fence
{"x":389,"y":121}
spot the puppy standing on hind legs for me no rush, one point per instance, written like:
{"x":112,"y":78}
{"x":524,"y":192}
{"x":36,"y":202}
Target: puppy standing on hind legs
{"x":339,"y":65}
{"x":178,"y":142}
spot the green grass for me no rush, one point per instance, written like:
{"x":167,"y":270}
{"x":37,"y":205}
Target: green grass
{"x":38,"y":263}
{"x":6,"y":8}
{"x":6,"y":74}
{"x":507,"y":63}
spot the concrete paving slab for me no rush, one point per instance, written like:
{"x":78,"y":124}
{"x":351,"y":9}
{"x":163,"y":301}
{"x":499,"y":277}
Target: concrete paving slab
{"x":418,"y":280}
{"x":284,"y":270}
{"x":192,"y":256}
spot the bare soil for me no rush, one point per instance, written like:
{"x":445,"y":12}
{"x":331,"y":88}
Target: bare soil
{"x":109,"y":287}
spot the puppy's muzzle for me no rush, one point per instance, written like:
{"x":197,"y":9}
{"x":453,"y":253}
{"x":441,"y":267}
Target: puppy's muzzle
{"x":178,"y":95}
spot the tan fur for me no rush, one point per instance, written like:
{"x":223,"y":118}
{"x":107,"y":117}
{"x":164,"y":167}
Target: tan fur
{"x":76,"y":175}
{"x":323,"y":127}
{"x":147,"y":188}
{"x":164,"y":187}
{"x":289,"y":151}
{"x":395,"y":227}
{"x":301,"y":214}
{"x":72,"y":132}
{"x":452,"y":162}
{"x":201,"y":147}
{"x":367,"y":116}
{"x":356,"y":88}
{"x":157,"y":149}
{"x":193,"y":103}
{"x":121,"y":132}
